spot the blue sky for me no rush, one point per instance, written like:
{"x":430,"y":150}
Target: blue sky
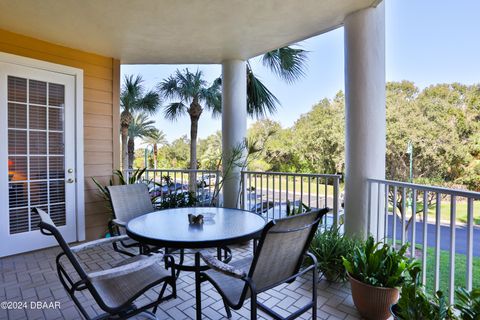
{"x":427,"y":42}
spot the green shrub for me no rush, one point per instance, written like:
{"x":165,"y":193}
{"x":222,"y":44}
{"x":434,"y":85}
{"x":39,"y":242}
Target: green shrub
{"x":415,"y":304}
{"x":379,"y":264}
{"x":329,"y":247}
{"x":468,"y":303}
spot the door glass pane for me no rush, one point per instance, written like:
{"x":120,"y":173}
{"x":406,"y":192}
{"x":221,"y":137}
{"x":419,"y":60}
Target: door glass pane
{"x":36,"y":160}
{"x":38,"y":117}
{"x":37,"y":92}
{"x":17,"y":89}
{"x":17,"y":116}
{"x":56,"y":94}
{"x":17,"y":142}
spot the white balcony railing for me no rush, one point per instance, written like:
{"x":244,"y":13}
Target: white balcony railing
{"x":274,"y":194}
{"x":435,"y":221}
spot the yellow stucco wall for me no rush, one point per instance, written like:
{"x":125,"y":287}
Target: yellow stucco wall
{"x":101,"y":114}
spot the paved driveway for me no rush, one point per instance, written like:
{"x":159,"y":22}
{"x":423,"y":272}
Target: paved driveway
{"x":460,"y":236}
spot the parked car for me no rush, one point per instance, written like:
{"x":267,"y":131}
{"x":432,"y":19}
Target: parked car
{"x":207,"y":180}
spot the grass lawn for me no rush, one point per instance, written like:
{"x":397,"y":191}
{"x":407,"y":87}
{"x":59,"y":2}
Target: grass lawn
{"x":461,"y":211}
{"x":460,"y":270}
{"x":298,"y":183}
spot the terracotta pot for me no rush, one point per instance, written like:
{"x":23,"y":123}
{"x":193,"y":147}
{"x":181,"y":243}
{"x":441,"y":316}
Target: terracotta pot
{"x":373,"y":303}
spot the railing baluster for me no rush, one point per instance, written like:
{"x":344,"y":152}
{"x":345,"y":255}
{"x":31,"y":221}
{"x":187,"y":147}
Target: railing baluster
{"x":414,"y":220}
{"x":255,"y":186}
{"x":470,"y":244}
{"x":268,"y":196}
{"x":453,"y":226}
{"x":437,"y":240}
{"x":326,"y":192}
{"x":294,"y":192}
{"x":280,"y":195}
{"x":369,"y":200}
{"x":385,"y":222}
{"x":249,"y":191}
{"x":309,"y":192}
{"x":379,"y":197}
{"x":318,"y":203}
{"x":287,"y":196}
{"x":394,"y":209}
{"x":425,"y":237}
{"x":300,"y":206}
{"x":404,"y":214}
{"x":273,"y":195}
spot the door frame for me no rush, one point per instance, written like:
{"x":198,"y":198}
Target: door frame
{"x":78,"y":131}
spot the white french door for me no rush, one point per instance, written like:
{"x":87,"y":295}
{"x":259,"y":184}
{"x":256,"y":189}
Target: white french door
{"x":37,"y":156}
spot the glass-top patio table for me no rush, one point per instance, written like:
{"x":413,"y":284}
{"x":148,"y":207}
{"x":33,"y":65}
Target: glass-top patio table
{"x":170,"y":228}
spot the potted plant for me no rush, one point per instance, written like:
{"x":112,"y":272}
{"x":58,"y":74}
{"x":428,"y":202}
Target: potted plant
{"x":375,"y":271}
{"x":468,"y":303}
{"x":329,"y":246}
{"x":415,"y":304}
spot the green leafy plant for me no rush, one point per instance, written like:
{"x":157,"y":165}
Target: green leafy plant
{"x":379,"y":264}
{"x":173,"y":198}
{"x":329,"y":247}
{"x":468,"y":303}
{"x":302,"y":208}
{"x":415,"y":304}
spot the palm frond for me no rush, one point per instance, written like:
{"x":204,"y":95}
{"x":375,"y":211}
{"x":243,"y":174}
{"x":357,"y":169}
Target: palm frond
{"x":260,"y":100}
{"x":140,"y":126}
{"x":169,"y":88}
{"x":175,"y":110}
{"x":287,"y":63}
{"x":213,"y":97}
{"x":149,"y":102}
{"x":155,"y":137}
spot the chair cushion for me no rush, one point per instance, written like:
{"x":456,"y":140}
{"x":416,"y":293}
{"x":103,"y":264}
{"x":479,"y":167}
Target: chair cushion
{"x":230,"y":286}
{"x":117,"y":291}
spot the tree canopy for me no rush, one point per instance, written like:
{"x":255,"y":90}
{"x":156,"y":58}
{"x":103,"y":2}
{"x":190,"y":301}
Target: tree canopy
{"x":441,"y":121}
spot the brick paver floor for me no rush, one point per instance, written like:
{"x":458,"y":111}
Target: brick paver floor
{"x":32,"y":277}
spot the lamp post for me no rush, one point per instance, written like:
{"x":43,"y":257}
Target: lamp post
{"x":410,"y":178}
{"x":146,"y":154}
{"x":410,"y":153}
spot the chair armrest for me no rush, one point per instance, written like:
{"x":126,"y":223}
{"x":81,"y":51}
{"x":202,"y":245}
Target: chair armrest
{"x":136,"y":266}
{"x":222,"y":267}
{"x":96,"y":243}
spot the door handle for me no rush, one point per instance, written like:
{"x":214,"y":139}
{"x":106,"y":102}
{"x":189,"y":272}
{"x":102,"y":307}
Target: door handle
{"x":70,"y":180}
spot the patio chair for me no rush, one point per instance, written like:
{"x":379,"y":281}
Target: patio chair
{"x":114,"y":290}
{"x":279,"y":258}
{"x":128,"y":202}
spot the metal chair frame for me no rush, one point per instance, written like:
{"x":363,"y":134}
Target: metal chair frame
{"x":250,"y":284}
{"x":127,"y":309}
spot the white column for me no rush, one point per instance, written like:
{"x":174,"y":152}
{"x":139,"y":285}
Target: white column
{"x":365,"y":117}
{"x":234,"y":125}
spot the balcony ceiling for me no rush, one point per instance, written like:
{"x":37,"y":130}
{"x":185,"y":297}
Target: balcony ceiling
{"x":175,"y":31}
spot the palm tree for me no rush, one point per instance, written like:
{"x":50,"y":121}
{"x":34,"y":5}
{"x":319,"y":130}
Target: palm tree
{"x":140,"y":127}
{"x":192,"y":94}
{"x":134,"y":98}
{"x":155,"y":138}
{"x":288,"y":64}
